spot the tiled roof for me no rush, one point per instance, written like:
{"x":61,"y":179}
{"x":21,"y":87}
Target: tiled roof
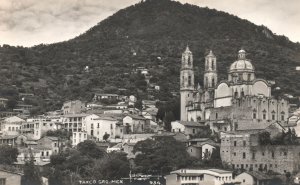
{"x":75,"y":115}
{"x":259,"y":176}
{"x":192,"y":124}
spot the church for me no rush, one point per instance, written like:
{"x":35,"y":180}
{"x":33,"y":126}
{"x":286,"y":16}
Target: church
{"x":241,"y":102}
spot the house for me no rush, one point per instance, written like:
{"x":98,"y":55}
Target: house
{"x":202,"y":150}
{"x":297,"y":178}
{"x":3,"y":102}
{"x":136,"y":123}
{"x":99,"y":125}
{"x":73,"y":107}
{"x":39,"y":153}
{"x":11,"y":125}
{"x":98,"y":97}
{"x":38,"y":126}
{"x":74,"y":122}
{"x":13,"y":140}
{"x":132,"y":100}
{"x":116,"y":148}
{"x":150,"y":113}
{"x":148,"y":104}
{"x":78,"y":137}
{"x":10,"y":178}
{"x":254,"y":178}
{"x":199,"y":176}
{"x":187,"y":127}
{"x":51,"y":142}
{"x":181,"y":137}
{"x":128,"y":149}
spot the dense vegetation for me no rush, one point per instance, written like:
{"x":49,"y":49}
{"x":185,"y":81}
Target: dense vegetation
{"x":151,"y":34}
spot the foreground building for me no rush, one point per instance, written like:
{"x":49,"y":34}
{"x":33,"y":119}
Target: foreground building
{"x":199,"y":176}
{"x":243,"y":150}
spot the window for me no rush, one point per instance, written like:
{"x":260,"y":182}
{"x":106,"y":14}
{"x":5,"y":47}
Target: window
{"x":242,"y":93}
{"x":190,"y":80}
{"x":282,"y":116}
{"x":254,"y":114}
{"x":285,"y":153}
{"x":273,"y":115}
{"x":194,"y":131}
{"x":216,"y":115}
{"x":273,"y":155}
{"x":244,"y":143}
{"x":2,"y":181}
{"x":253,"y":155}
{"x":244,"y":155}
{"x":191,"y":150}
{"x":249,"y":77}
{"x":263,"y":153}
{"x":234,"y":153}
{"x":236,"y":94}
{"x":213,"y":82}
{"x":264,"y":114}
{"x":234,"y":143}
{"x":212,"y":65}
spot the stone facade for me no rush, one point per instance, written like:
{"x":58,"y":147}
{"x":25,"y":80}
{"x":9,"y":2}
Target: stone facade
{"x":242,"y":150}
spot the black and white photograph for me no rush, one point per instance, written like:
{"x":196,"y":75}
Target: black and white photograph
{"x":149,"y":92}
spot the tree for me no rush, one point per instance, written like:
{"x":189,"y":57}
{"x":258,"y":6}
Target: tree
{"x":11,"y":103}
{"x":8,"y":154}
{"x":89,"y":148}
{"x":264,"y":138}
{"x":105,"y":136}
{"x":113,"y":166}
{"x":161,"y":155}
{"x":31,"y":173}
{"x":169,"y":117}
{"x":139,"y":105}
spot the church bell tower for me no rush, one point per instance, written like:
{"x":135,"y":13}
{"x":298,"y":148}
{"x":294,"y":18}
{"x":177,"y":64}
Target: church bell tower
{"x":210,"y":76}
{"x":186,"y":82}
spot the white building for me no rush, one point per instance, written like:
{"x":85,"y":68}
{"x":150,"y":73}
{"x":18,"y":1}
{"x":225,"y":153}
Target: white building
{"x":11,"y":125}
{"x":99,"y":125}
{"x":37,"y":127}
{"x":78,"y":137}
{"x":199,"y":176}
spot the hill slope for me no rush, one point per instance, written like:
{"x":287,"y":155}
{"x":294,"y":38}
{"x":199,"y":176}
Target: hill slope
{"x":152,"y":30}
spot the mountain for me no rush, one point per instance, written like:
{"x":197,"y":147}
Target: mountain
{"x":152,"y":34}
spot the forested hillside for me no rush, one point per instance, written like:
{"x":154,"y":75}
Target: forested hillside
{"x":150,"y":34}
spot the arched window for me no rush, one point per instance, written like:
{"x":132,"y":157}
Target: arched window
{"x":190,"y":81}
{"x":216,"y":115}
{"x":242,"y":93}
{"x":264,"y":114}
{"x":236,"y":94}
{"x":282,"y":116}
{"x":240,"y":77}
{"x":273,"y":115}
{"x":189,"y":60}
{"x":206,"y":81}
{"x":249,"y":77}
{"x":212,"y":65}
{"x":213,"y":82}
{"x":254,"y":114}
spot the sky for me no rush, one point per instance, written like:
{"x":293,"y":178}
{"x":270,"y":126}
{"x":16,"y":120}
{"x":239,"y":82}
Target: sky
{"x":32,"y":22}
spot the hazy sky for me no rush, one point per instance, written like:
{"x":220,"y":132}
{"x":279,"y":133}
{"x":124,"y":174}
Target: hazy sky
{"x":31,"y":22}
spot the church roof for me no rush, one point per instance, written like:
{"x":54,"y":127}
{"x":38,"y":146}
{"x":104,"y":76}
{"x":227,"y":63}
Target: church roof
{"x":242,"y":64}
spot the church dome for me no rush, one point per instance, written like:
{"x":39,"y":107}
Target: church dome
{"x":242,"y":64}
